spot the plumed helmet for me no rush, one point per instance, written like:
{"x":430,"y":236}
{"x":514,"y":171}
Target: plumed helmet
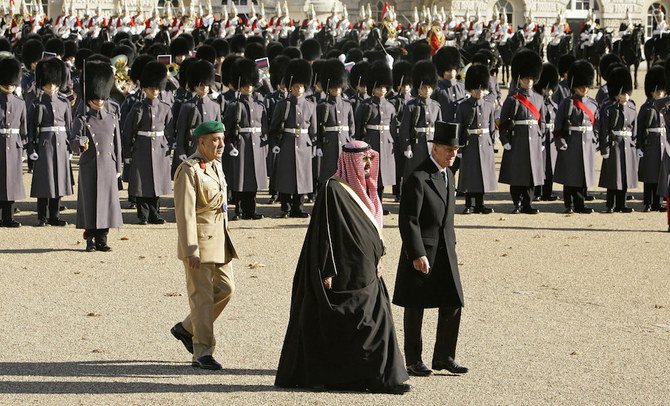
{"x":581,"y":73}
{"x":402,"y":74}
{"x":10,"y":71}
{"x":379,"y":75}
{"x":99,"y":80}
{"x":154,"y":74}
{"x":245,"y":73}
{"x":526,"y":64}
{"x":654,"y":80}
{"x":32,"y":52}
{"x":447,"y":58}
{"x":50,"y":70}
{"x":298,"y":71}
{"x":477,"y":77}
{"x":619,"y":82}
{"x":311,"y":49}
{"x":332,"y":74}
{"x":564,"y":63}
{"x":138,"y":66}
{"x":358,"y":76}
{"x":199,"y":73}
{"x":548,"y":78}
{"x":604,"y":64}
{"x":424,"y":73}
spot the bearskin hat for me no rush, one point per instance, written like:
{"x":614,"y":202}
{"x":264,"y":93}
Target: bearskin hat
{"x":424,"y":73}
{"x":311,"y":49}
{"x":221,"y":46}
{"x":69,"y":49}
{"x":526,"y":64}
{"x":486,"y":57}
{"x":358,"y":76}
{"x":183,"y":72}
{"x":82,"y":55}
{"x":654,"y":80}
{"x":158,"y":49}
{"x":121,"y":35}
{"x":154,"y":74}
{"x":254,"y":51}
{"x":354,"y":55}
{"x":564,"y":63}
{"x":317,"y":66}
{"x":227,"y":70}
{"x":138,"y":66}
{"x":199,"y":73}
{"x":189,"y":39}
{"x":548,"y":78}
{"x":421,"y":52}
{"x":245,"y":73}
{"x":278,"y":69}
{"x":332,"y":74}
{"x":581,"y":73}
{"x":107,"y":48}
{"x":50,"y":70}
{"x":378,"y":75}
{"x":5,"y":45}
{"x":619,"y":82}
{"x":477,"y":77}
{"x":125,"y":50}
{"x":237,"y":43}
{"x":179,"y":46}
{"x":99,"y":80}
{"x":206,"y":52}
{"x":402,"y":74}
{"x":447,"y":58}
{"x":256,"y":39}
{"x":274,"y":49}
{"x":10,"y":71}
{"x":298,"y":71}
{"x":55,"y":45}
{"x":32,"y":52}
{"x":604,"y":64}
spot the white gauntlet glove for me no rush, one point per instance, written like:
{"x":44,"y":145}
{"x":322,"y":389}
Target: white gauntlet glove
{"x":126,"y":161}
{"x":276,"y":149}
{"x":507,"y":147}
{"x":34,"y":156}
{"x":234,"y":152}
{"x":118,"y":175}
{"x":640,"y":154}
{"x":319,"y":152}
{"x":408,"y":152}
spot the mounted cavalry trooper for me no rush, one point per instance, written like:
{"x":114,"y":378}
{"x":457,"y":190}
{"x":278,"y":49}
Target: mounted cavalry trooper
{"x":522,"y":133}
{"x":617,"y":141}
{"x":559,"y":30}
{"x":661,"y":26}
{"x":13,"y":138}
{"x":246,"y":128}
{"x":148,"y":134}
{"x":589,"y":33}
{"x":576,"y":136}
{"x":503,"y":30}
{"x":530,"y":29}
{"x":545,"y":87}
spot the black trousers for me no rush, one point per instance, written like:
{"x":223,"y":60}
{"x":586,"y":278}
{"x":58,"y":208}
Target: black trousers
{"x":616,"y":198}
{"x":52,"y":204}
{"x":99,"y":235}
{"x":448,"y":323}
{"x":520,"y":195}
{"x":246,"y":202}
{"x":147,"y":208}
{"x":7,"y":208}
{"x":292,"y":202}
{"x":651,"y":197}
{"x":479,"y":199}
{"x":573,"y":197}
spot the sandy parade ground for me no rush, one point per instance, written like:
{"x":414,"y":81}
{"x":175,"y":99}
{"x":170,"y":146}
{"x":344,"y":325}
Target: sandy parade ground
{"x":560,"y":309}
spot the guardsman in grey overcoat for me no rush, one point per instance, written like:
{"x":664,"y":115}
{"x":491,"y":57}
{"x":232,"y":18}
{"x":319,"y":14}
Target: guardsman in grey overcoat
{"x":358,"y":84}
{"x":277,"y":72}
{"x":522,"y":133}
{"x":418,"y":120}
{"x":607,"y":61}
{"x":13,"y":138}
{"x":545,"y":87}
{"x":563,"y":90}
{"x":449,"y":91}
{"x":651,"y":130}
{"x":31,"y":54}
{"x":198,"y":109}
{"x":182,"y":96}
{"x":294,"y":124}
{"x":493,"y":95}
{"x":98,"y":135}
{"x":576,"y":137}
{"x":335,"y":117}
{"x":148,"y":135}
{"x":49,"y":125}
{"x":618,"y":135}
{"x":402,"y":84}
{"x":478,"y":131}
{"x":373,"y":122}
{"x":246,"y":126}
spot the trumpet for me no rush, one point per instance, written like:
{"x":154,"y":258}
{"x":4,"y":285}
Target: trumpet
{"x":121,"y":77}
{"x":172,"y":69}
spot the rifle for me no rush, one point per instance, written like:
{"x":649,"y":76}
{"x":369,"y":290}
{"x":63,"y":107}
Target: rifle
{"x":323,"y":111}
{"x":235,"y":135}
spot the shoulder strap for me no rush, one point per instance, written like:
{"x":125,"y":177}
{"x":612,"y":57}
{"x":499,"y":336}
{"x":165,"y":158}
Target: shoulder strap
{"x":528,"y":104}
{"x":583,"y":108}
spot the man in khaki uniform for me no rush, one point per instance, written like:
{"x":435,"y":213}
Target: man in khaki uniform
{"x":203,"y":243}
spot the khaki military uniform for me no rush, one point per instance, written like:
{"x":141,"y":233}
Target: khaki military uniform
{"x":200,"y":208}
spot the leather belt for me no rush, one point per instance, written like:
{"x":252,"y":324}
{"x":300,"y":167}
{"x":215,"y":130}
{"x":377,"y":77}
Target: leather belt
{"x":52,"y":129}
{"x":9,"y":131}
{"x":337,"y":128}
{"x":151,"y":134}
{"x":478,"y":131}
{"x":251,"y":130}
{"x":524,"y":122}
{"x":550,"y":126}
{"x":296,"y":131}
{"x":622,"y":133}
{"x":581,"y":128}
{"x":425,"y":129}
{"x":378,"y":127}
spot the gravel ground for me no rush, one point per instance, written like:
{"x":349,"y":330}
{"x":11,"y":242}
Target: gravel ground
{"x":560,"y":309}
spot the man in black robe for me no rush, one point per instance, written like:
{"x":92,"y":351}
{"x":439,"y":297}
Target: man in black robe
{"x":340,"y":334}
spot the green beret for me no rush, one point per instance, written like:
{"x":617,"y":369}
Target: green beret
{"x":208,"y":127}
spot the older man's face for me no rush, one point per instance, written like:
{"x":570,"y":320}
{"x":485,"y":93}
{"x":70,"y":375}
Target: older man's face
{"x":211,"y":146}
{"x":367,"y":165}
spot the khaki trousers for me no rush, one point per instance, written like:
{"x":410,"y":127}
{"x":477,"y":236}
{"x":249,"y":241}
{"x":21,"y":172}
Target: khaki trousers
{"x":209,"y":291}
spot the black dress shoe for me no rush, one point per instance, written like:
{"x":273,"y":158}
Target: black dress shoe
{"x":252,"y":216}
{"x":11,"y":224}
{"x":569,"y":210}
{"x":585,"y":210}
{"x":625,"y":209}
{"x":551,"y":198}
{"x":181,"y":334}
{"x":662,"y":209}
{"x":468,"y":210}
{"x":206,"y":362}
{"x":283,"y":215}
{"x":90,"y":246}
{"x":235,"y":217}
{"x":299,"y":214}
{"x":609,"y":210}
{"x":157,"y":220}
{"x":483,"y":210}
{"x":390,"y":389}
{"x":536,"y":198}
{"x":41,"y":223}
{"x":630,"y":197}
{"x":142,"y":222}
{"x":386,"y":212}
{"x":647,"y":208}
{"x":589,"y":198}
{"x":418,"y":369}
{"x":131,"y":206}
{"x":396,"y":199}
{"x":62,"y":208}
{"x":57,"y":222}
{"x":103,"y":248}
{"x":272,"y":199}
{"x":516,"y":210}
{"x":451,"y":366}
{"x":530,"y":210}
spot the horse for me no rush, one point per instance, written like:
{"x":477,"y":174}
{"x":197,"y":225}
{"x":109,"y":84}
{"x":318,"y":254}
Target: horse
{"x":555,"y":52}
{"x":628,"y":49}
{"x":507,"y":51}
{"x":656,"y":49}
{"x":599,"y":48}
{"x":470,"y":48}
{"x":537,"y":43}
{"x":325,"y":37}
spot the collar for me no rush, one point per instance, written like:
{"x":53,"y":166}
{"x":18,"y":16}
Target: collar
{"x":153,"y":102}
{"x":439,"y":168}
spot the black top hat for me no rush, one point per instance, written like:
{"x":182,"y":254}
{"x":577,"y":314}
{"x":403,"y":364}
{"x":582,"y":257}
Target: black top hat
{"x":447,"y":134}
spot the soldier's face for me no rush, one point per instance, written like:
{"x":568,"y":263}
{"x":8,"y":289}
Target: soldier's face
{"x":211,"y":146}
{"x":96,"y":104}
{"x":8,"y":88}
{"x":449,"y":74}
{"x":179,"y":59}
{"x":297,"y":89}
{"x":526,"y":83}
{"x":151,"y":92}
{"x":623,"y":98}
{"x":202,"y":90}
{"x":426,"y":91}
{"x":247,"y":90}
{"x":404,"y":89}
{"x":335,"y":91}
{"x":50,"y":88}
{"x":658,"y":94}
{"x":380,"y":91}
{"x":582,"y":91}
{"x":476,"y":93}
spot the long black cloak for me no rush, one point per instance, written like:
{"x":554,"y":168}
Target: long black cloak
{"x":344,"y":335}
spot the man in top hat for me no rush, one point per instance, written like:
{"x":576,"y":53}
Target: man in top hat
{"x":98,"y":135}
{"x":294,"y":125}
{"x":545,"y":87}
{"x":576,"y":137}
{"x":522,"y":133}
{"x":617,"y":145}
{"x":246,"y":124}
{"x":13,"y":137}
{"x":428,"y":274}
{"x":147,"y":136}
{"x":374,"y":117}
{"x":449,"y":91}
{"x":477,"y":119}
{"x":203,"y":243}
